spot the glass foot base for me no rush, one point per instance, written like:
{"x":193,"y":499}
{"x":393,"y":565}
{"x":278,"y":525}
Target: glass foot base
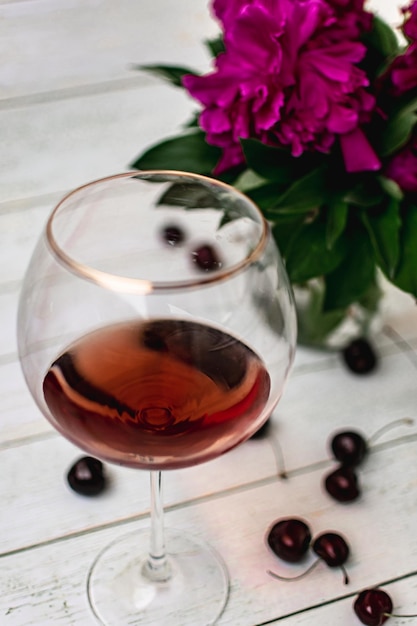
{"x":195,"y":594}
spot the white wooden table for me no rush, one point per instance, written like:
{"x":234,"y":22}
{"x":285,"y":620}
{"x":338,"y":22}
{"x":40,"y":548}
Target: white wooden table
{"x":71,"y":110}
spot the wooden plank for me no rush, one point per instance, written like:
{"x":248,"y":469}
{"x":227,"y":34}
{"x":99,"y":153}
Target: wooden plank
{"x":20,"y":416}
{"x":50,"y":47}
{"x":54,"y":147}
{"x":20,"y":229}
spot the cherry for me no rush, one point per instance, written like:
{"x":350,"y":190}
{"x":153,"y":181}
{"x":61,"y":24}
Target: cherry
{"x":173,"y":235}
{"x":349,"y":447}
{"x":342,"y":484}
{"x":205,"y":257}
{"x":289,"y":539}
{"x":360,"y":356}
{"x":86,"y":476}
{"x":373,"y":607}
{"x":333,"y":549}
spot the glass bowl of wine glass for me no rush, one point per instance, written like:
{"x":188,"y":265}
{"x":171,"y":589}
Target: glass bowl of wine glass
{"x":156,"y":330}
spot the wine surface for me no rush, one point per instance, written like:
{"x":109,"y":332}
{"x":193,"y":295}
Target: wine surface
{"x":158,"y":394}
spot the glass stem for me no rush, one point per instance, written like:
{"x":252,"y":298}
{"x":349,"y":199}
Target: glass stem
{"x":157,"y":567}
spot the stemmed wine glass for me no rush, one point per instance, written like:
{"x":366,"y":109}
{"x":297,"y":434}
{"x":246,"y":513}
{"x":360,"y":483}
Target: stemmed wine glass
{"x":156,"y":330}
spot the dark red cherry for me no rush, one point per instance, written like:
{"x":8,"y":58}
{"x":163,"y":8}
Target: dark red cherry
{"x":360,"y":356}
{"x":173,"y":235}
{"x":333,"y":550}
{"x":373,"y":607}
{"x":205,"y":257}
{"x":342,"y":484}
{"x":86,"y":476}
{"x":349,"y":447}
{"x":289,"y":539}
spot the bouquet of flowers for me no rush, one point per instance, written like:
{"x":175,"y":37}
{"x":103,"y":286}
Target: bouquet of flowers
{"x":311,"y":110}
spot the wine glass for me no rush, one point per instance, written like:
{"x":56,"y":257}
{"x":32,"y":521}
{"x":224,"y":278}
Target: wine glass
{"x":156,"y":330}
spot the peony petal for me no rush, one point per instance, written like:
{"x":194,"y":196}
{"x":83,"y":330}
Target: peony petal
{"x":255,"y":31}
{"x":342,"y":120}
{"x":232,"y":157}
{"x":215,"y":121}
{"x":217,"y":88}
{"x":357,"y":152}
{"x":403,"y":167}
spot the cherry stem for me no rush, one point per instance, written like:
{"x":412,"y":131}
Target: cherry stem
{"x":307,"y":571}
{"x":345,"y":575}
{"x":291,"y":578}
{"x":381,"y":431}
{"x":397,"y":615}
{"x":399,"y":341}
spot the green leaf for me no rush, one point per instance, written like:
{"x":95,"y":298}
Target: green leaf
{"x":276,"y":164}
{"x":188,"y":152}
{"x":366,"y":193}
{"x":215,"y":46}
{"x":382,"y":38}
{"x":307,"y":193}
{"x":249,"y":180}
{"x":398,"y":129}
{"x":371,"y":299}
{"x":405,"y":103}
{"x":271,"y":163}
{"x":354,"y":275}
{"x":337,"y":214}
{"x":231,"y":175}
{"x":284,"y":230}
{"x":391,"y":188}
{"x":382,"y":45}
{"x":406,"y":274}
{"x":171,"y":73}
{"x":265,"y":196}
{"x":309,"y":256}
{"x":191,"y":196}
{"x":383,"y":227}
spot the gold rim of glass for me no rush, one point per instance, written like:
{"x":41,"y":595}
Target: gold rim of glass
{"x":141,"y":286}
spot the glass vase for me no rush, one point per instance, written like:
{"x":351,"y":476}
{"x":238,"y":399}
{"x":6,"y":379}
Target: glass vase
{"x":332,"y":330}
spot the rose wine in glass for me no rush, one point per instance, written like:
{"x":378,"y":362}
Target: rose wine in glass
{"x":156,"y":330}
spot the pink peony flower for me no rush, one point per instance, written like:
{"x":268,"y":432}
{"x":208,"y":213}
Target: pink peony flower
{"x":289,"y":77}
{"x":410,"y":24}
{"x":401,"y":74}
{"x":402,"y":168}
